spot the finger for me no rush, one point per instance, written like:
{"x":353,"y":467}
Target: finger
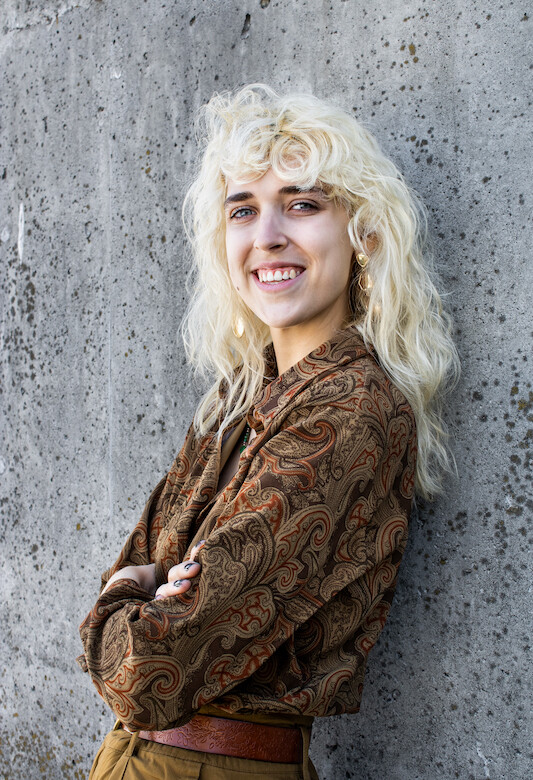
{"x":184,"y":571}
{"x":196,"y":549}
{"x":172,"y":589}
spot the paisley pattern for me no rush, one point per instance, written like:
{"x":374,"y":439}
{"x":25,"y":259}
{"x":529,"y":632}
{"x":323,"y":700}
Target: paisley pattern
{"x":301,"y":560}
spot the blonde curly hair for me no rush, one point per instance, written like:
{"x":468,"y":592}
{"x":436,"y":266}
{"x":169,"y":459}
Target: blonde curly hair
{"x":306,"y":141}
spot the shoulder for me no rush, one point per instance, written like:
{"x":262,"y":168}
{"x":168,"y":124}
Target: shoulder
{"x":360,"y":387}
{"x":351,"y":411}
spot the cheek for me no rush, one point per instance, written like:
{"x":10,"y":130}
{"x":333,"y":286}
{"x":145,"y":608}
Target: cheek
{"x":235,"y":254}
{"x":231,"y":256}
{"x":343,"y":257}
{"x":234,"y":276}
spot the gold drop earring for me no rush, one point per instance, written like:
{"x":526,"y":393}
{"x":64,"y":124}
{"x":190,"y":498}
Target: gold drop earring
{"x":363,"y":281}
{"x":238,"y":327}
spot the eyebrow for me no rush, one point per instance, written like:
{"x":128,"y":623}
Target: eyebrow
{"x":291,"y":189}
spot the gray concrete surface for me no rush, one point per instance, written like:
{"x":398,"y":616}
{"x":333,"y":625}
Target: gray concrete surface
{"x":96,"y":99}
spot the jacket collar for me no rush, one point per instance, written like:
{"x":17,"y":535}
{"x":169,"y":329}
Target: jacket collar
{"x":344,"y":347}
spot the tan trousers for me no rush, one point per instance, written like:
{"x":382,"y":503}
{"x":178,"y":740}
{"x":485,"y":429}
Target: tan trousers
{"x":123,"y":756}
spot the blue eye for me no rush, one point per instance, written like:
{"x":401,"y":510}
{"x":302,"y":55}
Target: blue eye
{"x":244,"y":211}
{"x":303,"y":205}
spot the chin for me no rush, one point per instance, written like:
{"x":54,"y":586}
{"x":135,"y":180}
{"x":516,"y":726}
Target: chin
{"x":281,"y":320}
{"x":282,"y":323}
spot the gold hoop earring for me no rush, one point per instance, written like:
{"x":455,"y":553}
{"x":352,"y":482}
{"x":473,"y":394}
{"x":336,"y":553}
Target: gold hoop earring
{"x":238,"y":327}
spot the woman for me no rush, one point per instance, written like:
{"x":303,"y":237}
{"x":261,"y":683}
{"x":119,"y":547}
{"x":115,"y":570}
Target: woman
{"x":322,"y":333}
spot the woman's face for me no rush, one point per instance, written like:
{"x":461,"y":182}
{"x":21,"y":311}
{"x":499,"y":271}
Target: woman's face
{"x":289,"y":255}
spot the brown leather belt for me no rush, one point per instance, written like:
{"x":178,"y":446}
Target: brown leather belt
{"x":238,"y":738}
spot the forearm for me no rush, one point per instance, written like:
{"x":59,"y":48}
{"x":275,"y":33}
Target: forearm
{"x":196,"y":646}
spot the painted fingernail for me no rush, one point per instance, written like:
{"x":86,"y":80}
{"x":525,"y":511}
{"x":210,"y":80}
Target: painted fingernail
{"x":159,"y":597}
{"x":177,"y":583}
{"x":187,"y":566}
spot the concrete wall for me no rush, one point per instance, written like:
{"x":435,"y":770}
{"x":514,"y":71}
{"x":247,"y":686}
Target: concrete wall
{"x":95,"y":139}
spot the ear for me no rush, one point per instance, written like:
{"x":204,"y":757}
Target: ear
{"x":370,"y":243}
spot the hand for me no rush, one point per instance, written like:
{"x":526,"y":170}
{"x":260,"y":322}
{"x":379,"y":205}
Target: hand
{"x":179,"y":576}
{"x":144,"y":576}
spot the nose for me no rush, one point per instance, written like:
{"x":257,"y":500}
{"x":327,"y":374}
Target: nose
{"x":270,"y":236}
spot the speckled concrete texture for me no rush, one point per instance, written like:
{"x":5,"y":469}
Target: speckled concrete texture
{"x":96,"y":100}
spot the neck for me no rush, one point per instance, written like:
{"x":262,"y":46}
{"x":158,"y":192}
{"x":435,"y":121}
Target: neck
{"x":294,"y":343}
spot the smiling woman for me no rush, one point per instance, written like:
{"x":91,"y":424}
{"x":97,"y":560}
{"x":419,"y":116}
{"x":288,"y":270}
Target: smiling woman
{"x":289,"y":257}
{"x":247,"y":598}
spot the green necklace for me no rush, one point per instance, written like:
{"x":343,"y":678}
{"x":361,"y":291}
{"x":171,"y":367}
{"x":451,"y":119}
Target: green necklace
{"x":247,"y":432}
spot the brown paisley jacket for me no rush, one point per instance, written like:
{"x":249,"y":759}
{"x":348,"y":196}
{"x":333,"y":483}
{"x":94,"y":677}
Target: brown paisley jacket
{"x":302,"y":553}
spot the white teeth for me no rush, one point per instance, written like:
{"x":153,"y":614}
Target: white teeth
{"x":277,"y":276}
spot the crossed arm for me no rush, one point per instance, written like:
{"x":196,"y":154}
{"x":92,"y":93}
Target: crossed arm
{"x":323,"y":512}
{"x":179,"y":576}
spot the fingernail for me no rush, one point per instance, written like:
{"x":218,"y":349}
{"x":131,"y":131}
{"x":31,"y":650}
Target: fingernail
{"x":177,"y":583}
{"x":200,"y":544}
{"x":187,"y":566}
{"x":159,"y":597}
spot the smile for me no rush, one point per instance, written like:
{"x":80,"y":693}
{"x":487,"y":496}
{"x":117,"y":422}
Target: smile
{"x":277,"y":275}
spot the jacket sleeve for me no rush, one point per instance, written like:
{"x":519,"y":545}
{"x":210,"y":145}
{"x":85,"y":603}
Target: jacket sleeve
{"x":325,"y":502}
